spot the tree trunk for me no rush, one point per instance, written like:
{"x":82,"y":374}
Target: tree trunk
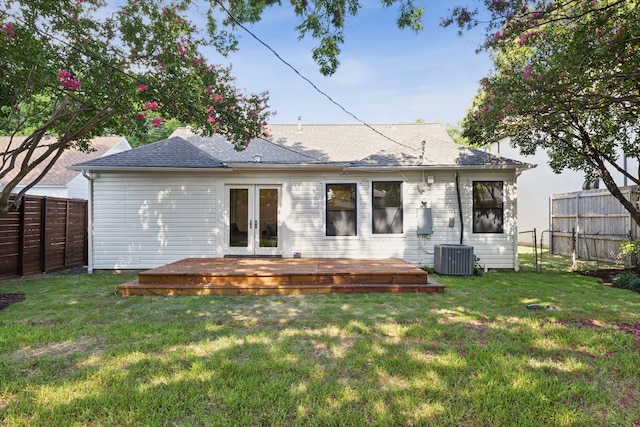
{"x":613,"y":188}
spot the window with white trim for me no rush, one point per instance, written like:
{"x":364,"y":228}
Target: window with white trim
{"x":488,"y":206}
{"x":387,"y":215}
{"x":342,"y":210}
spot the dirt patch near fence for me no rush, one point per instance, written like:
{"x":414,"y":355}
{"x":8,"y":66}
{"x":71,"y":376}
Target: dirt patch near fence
{"x":7,"y":299}
{"x":605,"y":275}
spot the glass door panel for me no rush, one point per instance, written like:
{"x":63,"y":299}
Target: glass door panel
{"x":239,"y":217}
{"x":268,"y":218}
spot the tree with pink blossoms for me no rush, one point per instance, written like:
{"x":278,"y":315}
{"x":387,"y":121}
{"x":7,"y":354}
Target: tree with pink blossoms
{"x":73,"y":69}
{"x":565,"y":80}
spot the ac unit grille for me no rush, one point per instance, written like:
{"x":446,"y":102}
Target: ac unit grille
{"x":454,"y":260}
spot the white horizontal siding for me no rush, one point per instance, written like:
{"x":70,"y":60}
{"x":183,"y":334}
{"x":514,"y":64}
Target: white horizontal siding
{"x":146,"y":220}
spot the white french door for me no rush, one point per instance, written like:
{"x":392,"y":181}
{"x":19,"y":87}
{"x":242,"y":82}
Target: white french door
{"x":253,"y":220}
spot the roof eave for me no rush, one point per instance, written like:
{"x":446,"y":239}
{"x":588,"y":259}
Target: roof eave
{"x":439,"y":167}
{"x":227,"y":168}
{"x":289,"y":166}
{"x":145,"y":169}
{"x":230,"y":167}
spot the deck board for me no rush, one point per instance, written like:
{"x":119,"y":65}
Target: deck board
{"x":261,"y":276}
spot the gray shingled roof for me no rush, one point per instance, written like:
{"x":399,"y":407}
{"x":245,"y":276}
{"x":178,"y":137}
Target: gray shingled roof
{"x":174,"y":152}
{"x":404,"y":145}
{"x":269,"y":152}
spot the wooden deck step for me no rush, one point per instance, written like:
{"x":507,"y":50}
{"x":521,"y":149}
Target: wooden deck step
{"x":284,"y":279}
{"x":259,"y":276}
{"x":136,"y":288}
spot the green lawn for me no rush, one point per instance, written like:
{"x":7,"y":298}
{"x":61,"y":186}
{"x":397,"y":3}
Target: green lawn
{"x":75,"y":353}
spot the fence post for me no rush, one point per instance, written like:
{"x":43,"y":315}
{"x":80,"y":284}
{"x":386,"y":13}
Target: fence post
{"x":576,"y":229}
{"x":43,"y":236}
{"x":574,"y":264}
{"x":21,"y":224}
{"x":541,"y":245}
{"x":66,"y":234}
{"x":535,"y":248}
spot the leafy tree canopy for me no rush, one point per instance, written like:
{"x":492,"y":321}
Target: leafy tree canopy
{"x":324,"y":20}
{"x":566,"y":80}
{"x":455,"y":132}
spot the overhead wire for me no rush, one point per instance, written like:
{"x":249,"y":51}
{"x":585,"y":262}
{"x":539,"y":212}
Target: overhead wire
{"x":237,"y":22}
{"x":266,"y":45}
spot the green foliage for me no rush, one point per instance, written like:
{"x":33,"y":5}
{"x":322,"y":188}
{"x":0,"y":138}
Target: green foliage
{"x":455,"y":132}
{"x":428,"y":269}
{"x":565,"y":81}
{"x":630,"y":252}
{"x":627,"y":280}
{"x":154,"y":134}
{"x":145,"y":58}
{"x":326,"y":20}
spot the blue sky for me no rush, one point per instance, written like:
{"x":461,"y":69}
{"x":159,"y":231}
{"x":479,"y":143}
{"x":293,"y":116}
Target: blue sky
{"x":387,"y":75}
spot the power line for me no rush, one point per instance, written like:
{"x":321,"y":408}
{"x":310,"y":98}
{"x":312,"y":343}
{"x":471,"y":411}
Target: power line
{"x":239,"y":24}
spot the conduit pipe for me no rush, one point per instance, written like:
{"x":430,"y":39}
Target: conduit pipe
{"x":89,"y":223}
{"x":459,"y":208}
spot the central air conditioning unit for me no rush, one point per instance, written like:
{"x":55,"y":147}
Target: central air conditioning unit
{"x":454,"y":260}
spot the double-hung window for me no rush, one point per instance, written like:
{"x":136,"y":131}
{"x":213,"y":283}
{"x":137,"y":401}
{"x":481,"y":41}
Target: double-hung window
{"x":488,"y":206}
{"x":342,"y":212}
{"x":387,"y":207}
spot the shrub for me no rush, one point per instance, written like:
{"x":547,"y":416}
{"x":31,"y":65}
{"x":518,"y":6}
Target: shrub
{"x":630,"y":252}
{"x":627,"y":281}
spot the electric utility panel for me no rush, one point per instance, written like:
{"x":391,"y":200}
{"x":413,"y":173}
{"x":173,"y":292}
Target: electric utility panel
{"x":425,"y":221}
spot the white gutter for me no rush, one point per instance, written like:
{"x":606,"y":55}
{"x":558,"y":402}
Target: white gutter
{"x":89,"y":223}
{"x":280,"y":166}
{"x":144,"y":169}
{"x":437,"y":167}
{"x":227,"y":169}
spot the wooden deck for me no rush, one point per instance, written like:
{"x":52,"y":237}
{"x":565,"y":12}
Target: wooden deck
{"x":262,"y":276}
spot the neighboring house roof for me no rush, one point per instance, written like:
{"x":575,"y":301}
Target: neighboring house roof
{"x":403,"y":145}
{"x":59,"y":175}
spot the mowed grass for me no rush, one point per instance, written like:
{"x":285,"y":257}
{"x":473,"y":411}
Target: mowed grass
{"x":75,"y":353}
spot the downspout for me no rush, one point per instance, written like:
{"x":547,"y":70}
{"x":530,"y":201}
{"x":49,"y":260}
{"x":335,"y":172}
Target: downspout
{"x":459,"y":208}
{"x":89,"y":223}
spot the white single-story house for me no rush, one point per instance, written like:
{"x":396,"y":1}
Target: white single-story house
{"x":60,"y":181}
{"x":352,"y":191}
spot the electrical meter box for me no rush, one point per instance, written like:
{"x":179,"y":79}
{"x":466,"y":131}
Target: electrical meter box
{"x":425,"y":221}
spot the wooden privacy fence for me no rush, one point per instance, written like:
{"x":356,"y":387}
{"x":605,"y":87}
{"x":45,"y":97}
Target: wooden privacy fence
{"x":592,"y":222}
{"x":46,"y":234}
